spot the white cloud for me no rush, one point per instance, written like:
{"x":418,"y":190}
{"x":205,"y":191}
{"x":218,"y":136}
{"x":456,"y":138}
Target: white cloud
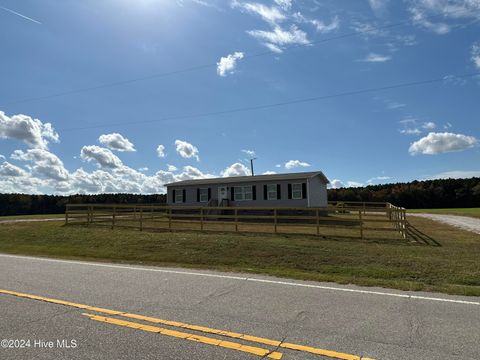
{"x":16,"y":180}
{"x":429,"y":125}
{"x":408,"y":120}
{"x":440,"y":28}
{"x":377,"y":179}
{"x":354,"y":184}
{"x":278,"y":165}
{"x":250,"y":153}
{"x":103,"y":156}
{"x":269,"y":172}
{"x":45,"y":164}
{"x":378,"y":6}
{"x":284,"y":4}
{"x":115,"y":141}
{"x":377,"y":58}
{"x":413,"y":131}
{"x":412,"y":126}
{"x":437,"y":143}
{"x":190,"y":172}
{"x":291,"y":164}
{"x":407,"y":40}
{"x":323,"y":27}
{"x":272,"y":14}
{"x":143,"y":169}
{"x":237,"y":169}
{"x":454,"y":80}
{"x":161,"y":151}
{"x":336,"y":184}
{"x":476,"y":54}
{"x":9,"y":170}
{"x":456,"y":174}
{"x":393,"y":105}
{"x":186,"y":150}
{"x":273,"y":48}
{"x":423,"y":10}
{"x":367,"y":30}
{"x":31,"y":131}
{"x":279,"y":37}
{"x":227,"y":64}
{"x":320,"y":26}
{"x":171,"y":168}
{"x":45,"y":173}
{"x":2,"y":157}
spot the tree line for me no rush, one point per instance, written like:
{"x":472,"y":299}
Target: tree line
{"x":24,"y":204}
{"x":444,"y":193}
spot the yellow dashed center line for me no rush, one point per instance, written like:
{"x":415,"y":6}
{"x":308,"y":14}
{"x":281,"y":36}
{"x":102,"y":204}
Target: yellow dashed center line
{"x":191,"y":337}
{"x":187,"y":336}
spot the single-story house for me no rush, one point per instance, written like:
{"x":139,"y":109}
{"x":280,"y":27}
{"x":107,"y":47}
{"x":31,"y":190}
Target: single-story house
{"x":304,"y":189}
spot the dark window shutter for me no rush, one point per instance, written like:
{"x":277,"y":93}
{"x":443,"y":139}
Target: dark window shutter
{"x":184,"y":195}
{"x":265,"y":192}
{"x":279,"y":192}
{"x":209,"y":193}
{"x":198,"y":195}
{"x":289,"y":191}
{"x":173,"y":195}
{"x":304,"y":190}
{"x":232,"y":193}
{"x":254,"y":192}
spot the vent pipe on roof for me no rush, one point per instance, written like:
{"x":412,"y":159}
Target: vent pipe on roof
{"x":251,"y":165}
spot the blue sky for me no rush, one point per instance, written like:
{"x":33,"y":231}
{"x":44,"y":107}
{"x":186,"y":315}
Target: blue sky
{"x":194,"y":57}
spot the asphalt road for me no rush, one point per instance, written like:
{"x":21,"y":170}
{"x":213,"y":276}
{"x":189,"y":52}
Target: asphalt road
{"x":346,"y":320}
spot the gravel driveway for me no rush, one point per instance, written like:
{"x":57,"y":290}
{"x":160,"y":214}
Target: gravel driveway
{"x":29,"y":220}
{"x":462,"y":222}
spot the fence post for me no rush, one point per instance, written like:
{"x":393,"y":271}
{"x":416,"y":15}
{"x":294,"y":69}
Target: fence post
{"x":66,"y":214}
{"x":236,"y":219}
{"x":141,"y":219}
{"x":275,"y":220}
{"x":90,"y":215}
{"x":151,"y":210}
{"x":317,"y":213}
{"x":201,"y":219}
{"x":361,"y":223}
{"x":113,"y":218}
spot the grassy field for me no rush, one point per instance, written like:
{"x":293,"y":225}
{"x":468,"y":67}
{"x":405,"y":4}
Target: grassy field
{"x":452,"y":267}
{"x":472,"y":212}
{"x":43,"y":216}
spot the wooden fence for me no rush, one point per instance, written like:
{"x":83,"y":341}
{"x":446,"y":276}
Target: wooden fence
{"x":362,"y":220}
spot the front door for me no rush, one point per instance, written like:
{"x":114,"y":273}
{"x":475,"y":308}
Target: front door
{"x":222,"y":194}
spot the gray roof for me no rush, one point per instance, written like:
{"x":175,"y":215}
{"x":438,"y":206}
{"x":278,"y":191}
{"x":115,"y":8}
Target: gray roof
{"x":243,"y":179}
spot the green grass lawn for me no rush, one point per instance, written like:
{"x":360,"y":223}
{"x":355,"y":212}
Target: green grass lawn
{"x":43,"y":216}
{"x":453,"y":267}
{"x":472,"y":212}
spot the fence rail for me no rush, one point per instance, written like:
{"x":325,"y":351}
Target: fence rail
{"x":362,"y":220}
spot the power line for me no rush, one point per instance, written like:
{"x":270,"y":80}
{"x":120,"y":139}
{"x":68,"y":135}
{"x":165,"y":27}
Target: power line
{"x":213,"y":65}
{"x":279,"y":104}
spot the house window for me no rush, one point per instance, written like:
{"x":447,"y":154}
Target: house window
{"x":179,"y":196}
{"x":272,"y":192}
{"x":203,"y":195}
{"x":297,"y":191}
{"x":242,"y":193}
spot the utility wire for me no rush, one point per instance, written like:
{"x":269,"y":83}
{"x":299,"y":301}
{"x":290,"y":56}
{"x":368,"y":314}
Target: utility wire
{"x":213,"y":65}
{"x":279,"y":104}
